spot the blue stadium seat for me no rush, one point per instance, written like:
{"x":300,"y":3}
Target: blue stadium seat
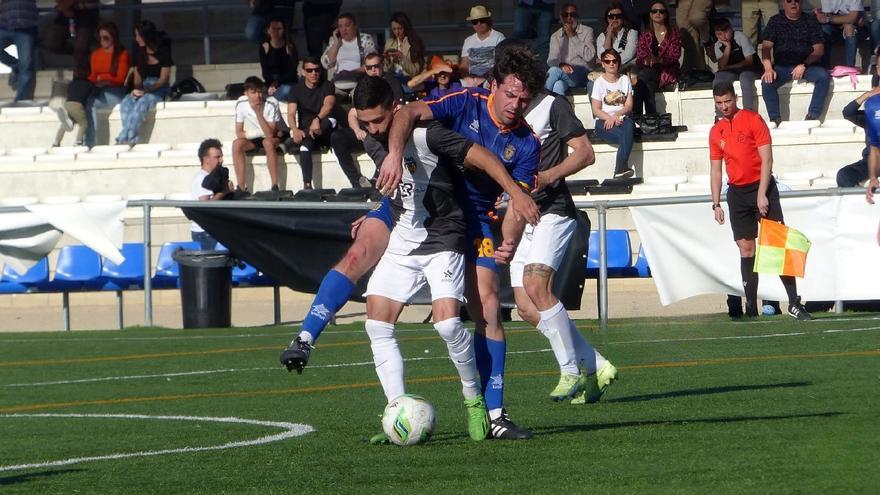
{"x":78,"y":268}
{"x":642,"y":268}
{"x":127,"y":275}
{"x":35,"y":279}
{"x":167,"y":270}
{"x":619,"y":253}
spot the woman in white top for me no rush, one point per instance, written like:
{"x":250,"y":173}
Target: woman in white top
{"x":346,"y":50}
{"x":612,"y":103}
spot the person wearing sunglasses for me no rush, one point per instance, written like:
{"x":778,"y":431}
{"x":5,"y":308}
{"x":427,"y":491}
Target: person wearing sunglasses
{"x":478,"y":50}
{"x":572,"y":52}
{"x":616,"y":34}
{"x":657,"y":55}
{"x":438,"y":80}
{"x":797,"y":45}
{"x":612,"y":104}
{"x":105,"y":87}
{"x":320,"y":122}
{"x":374,"y":66}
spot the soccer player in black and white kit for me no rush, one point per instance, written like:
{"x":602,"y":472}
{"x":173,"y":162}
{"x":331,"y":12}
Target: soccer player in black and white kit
{"x":426,"y":244}
{"x":584,"y":373}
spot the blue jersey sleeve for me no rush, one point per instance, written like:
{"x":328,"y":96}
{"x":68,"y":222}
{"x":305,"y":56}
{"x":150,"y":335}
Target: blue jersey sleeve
{"x":450,"y":105}
{"x":527,"y":164}
{"x":872,"y":120}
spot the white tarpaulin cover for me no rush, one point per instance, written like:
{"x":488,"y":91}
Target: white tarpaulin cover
{"x":27,"y":237}
{"x":690,"y":254}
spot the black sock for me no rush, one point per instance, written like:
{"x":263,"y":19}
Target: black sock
{"x":790,"y":284}
{"x":750,"y":280}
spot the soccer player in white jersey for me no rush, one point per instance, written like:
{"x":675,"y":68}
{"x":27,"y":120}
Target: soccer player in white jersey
{"x":584,"y":372}
{"x":427,"y":245}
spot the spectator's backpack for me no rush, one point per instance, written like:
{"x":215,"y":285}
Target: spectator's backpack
{"x":186,"y":86}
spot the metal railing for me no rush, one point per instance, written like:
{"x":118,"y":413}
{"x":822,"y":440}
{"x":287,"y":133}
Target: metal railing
{"x":600,"y":206}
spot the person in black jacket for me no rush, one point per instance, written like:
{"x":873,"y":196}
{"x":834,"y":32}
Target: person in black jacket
{"x":855,"y":173}
{"x":278,"y":60}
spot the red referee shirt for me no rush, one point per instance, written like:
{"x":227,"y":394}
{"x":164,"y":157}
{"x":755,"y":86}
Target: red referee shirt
{"x":736,"y":141}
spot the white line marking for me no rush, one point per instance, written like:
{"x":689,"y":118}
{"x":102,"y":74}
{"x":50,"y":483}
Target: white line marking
{"x":367,"y":363}
{"x":291,"y":430}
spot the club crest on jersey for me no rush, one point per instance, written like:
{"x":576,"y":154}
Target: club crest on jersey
{"x":509,"y":150}
{"x":410,"y":164}
{"x":722,"y":143}
{"x":475,"y":126}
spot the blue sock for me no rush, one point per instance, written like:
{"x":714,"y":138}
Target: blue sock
{"x":484,"y":360}
{"x":494,"y":392}
{"x":334,"y":292}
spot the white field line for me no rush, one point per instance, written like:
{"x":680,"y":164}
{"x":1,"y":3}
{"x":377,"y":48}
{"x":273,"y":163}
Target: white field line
{"x":290,"y":430}
{"x":367,"y":363}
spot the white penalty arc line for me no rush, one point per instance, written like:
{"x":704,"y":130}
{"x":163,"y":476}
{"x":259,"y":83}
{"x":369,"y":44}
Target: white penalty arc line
{"x":290,"y":430}
{"x":368,"y":363}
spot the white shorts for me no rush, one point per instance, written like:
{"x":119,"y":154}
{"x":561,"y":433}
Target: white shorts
{"x":544,"y":243}
{"x":399,"y":277}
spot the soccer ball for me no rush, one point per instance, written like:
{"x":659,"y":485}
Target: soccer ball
{"x":408,"y":420}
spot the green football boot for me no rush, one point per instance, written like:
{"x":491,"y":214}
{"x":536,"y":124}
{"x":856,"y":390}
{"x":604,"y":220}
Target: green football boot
{"x":596,"y":384}
{"x":478,"y":418}
{"x":568,"y":387}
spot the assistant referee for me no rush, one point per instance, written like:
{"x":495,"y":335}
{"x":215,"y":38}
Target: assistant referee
{"x":741,"y":138}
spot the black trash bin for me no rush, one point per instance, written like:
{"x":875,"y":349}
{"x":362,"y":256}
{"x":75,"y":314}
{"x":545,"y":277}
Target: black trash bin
{"x":205,"y":288}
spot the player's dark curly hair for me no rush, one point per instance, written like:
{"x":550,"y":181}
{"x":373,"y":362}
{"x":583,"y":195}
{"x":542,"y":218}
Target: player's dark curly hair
{"x":208,"y":144}
{"x":521,"y":63}
{"x":371,"y":92}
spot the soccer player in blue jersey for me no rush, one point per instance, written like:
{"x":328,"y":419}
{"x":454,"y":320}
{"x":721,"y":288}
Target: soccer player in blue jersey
{"x":872,"y":131}
{"x":493,"y":119}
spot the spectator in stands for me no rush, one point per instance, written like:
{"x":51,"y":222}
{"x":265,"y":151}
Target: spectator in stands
{"x":345,"y":53}
{"x":531,"y":22}
{"x":657,"y":55}
{"x":374,"y":65}
{"x":736,"y":60}
{"x":278,"y":60}
{"x":320,"y":122}
{"x":318,"y":17}
{"x":18,"y":26}
{"x":404,"y":51}
{"x":755,"y":14}
{"x":478,"y":50}
{"x":612,"y":103}
{"x":842,"y":16}
{"x":617,"y":34}
{"x":796,"y":43}
{"x":105,"y":85}
{"x":256,"y":127}
{"x":72,"y":31}
{"x":438,"y":80}
{"x":854,"y":174}
{"x":692,"y":17}
{"x":152,"y":72}
{"x":875,"y":27}
{"x":211,"y":183}
{"x":262,"y":11}
{"x":572,"y":51}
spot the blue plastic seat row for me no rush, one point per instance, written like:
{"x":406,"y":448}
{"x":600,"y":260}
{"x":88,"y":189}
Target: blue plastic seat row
{"x":619,"y":257}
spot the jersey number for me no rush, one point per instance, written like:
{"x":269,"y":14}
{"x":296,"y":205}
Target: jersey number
{"x":485,"y":247}
{"x":406,"y":189}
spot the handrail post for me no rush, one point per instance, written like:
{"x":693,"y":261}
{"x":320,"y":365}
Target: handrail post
{"x":603,"y":271}
{"x":148,"y":280}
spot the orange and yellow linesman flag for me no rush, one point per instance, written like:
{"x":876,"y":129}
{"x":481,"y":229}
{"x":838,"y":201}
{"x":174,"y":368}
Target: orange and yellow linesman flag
{"x":781,"y":250}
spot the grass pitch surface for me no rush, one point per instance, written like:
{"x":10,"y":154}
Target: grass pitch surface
{"x":701,"y":405}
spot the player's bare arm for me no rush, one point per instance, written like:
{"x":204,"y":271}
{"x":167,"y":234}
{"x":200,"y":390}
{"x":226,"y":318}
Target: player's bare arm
{"x":392,"y":166}
{"x":873,"y":169}
{"x":579,"y":159}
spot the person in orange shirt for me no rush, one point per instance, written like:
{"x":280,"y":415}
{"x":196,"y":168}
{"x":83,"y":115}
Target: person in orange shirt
{"x":741,"y":139}
{"x":109,"y":67}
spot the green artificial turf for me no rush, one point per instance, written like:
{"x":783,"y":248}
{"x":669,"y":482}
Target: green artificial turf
{"x":703,"y":405}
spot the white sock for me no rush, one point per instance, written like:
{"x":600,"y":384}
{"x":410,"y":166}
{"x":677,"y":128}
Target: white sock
{"x":461,"y":351}
{"x":557,"y":329}
{"x":306,"y":337}
{"x":495,"y":413}
{"x":386,"y":355}
{"x":588,"y":358}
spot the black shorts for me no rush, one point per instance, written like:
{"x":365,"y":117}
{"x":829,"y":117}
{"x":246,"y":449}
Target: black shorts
{"x":742,"y":202}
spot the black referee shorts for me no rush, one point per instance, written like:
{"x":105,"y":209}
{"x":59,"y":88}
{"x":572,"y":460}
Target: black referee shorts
{"x":742,"y":203}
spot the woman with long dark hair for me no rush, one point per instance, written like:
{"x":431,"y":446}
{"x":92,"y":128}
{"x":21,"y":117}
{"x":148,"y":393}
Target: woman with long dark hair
{"x":404,"y":51}
{"x":152,"y":72}
{"x":657,"y":55}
